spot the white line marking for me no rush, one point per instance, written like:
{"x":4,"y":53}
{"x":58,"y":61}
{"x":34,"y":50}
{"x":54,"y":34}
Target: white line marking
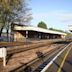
{"x":50,"y":63}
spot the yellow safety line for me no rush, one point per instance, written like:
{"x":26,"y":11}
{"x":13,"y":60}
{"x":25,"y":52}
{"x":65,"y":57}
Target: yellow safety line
{"x":59,"y":70}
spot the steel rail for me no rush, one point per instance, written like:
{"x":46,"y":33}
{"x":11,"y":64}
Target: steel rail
{"x":51,"y":62}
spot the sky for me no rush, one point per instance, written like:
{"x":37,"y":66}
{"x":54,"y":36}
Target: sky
{"x":55,"y":13}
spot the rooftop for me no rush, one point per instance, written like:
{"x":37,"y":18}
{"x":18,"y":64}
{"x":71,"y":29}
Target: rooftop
{"x":31,"y":28}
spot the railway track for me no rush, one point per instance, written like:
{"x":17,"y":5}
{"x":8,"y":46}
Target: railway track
{"x":57,"y":63}
{"x":18,"y":49}
{"x":52,"y":60}
{"x":50,"y":57}
{"x":21,"y":48}
{"x":36,"y":64}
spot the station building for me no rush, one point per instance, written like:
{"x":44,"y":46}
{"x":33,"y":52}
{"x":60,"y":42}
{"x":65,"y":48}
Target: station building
{"x":22,"y":32}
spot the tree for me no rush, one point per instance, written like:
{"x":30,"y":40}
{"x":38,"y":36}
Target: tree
{"x":13,"y":11}
{"x":59,"y":30}
{"x":42,"y":25}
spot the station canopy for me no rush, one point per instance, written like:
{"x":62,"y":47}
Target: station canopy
{"x":38,"y":29}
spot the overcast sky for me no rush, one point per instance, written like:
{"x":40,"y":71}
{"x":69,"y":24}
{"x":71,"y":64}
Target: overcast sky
{"x":55,"y":13}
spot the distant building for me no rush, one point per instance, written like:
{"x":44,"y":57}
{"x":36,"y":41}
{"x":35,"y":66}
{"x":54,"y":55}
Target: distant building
{"x":70,"y":28}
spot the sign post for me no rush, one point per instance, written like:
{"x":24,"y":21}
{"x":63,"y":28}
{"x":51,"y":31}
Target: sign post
{"x":3,"y":55}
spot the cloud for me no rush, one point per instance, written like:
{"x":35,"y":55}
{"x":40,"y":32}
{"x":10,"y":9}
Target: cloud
{"x":59,"y":16}
{"x":66,"y":18}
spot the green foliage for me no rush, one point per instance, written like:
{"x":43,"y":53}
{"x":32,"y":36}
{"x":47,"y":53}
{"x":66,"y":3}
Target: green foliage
{"x":13,"y":11}
{"x":8,"y":12}
{"x":57,"y":30}
{"x":42,"y":25}
{"x":69,"y":34}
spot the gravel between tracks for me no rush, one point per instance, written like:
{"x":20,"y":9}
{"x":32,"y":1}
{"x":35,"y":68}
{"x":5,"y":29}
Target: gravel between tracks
{"x":16,"y":60}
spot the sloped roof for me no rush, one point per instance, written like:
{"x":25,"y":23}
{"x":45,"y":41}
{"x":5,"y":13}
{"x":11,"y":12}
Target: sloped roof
{"x":31,"y":28}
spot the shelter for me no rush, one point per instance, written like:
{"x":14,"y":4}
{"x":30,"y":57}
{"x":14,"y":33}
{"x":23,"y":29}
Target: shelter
{"x":22,"y":32}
